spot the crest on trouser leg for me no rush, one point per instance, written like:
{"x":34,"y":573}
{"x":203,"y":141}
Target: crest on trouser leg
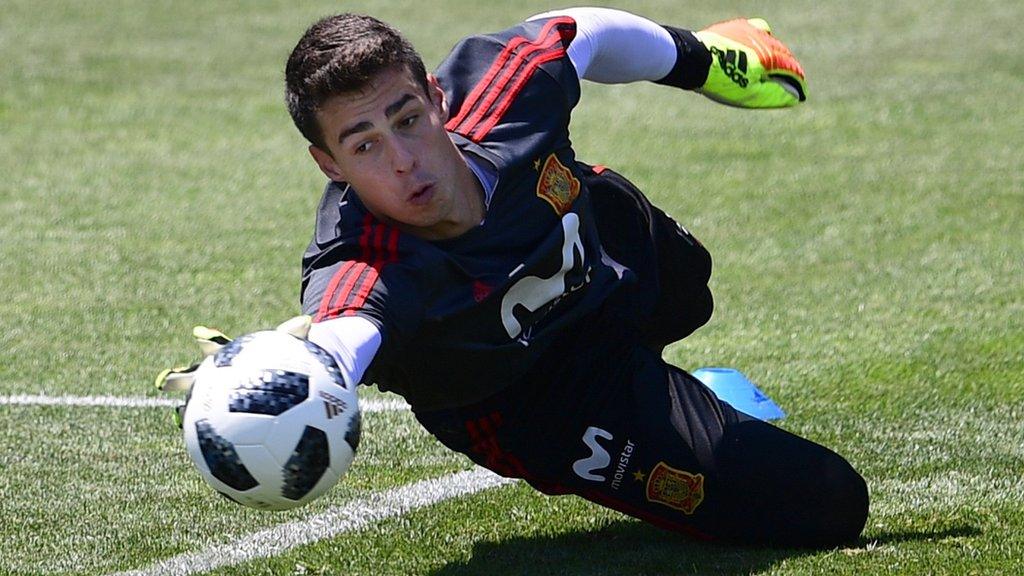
{"x":675,"y":488}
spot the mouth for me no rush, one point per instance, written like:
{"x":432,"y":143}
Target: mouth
{"x":421,"y":195}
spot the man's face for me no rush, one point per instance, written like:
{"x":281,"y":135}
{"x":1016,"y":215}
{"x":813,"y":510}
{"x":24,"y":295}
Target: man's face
{"x":389,"y":142}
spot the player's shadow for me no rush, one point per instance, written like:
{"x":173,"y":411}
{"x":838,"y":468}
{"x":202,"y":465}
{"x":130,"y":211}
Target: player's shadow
{"x":621,"y":547}
{"x":631,"y":548}
{"x":890,"y":537}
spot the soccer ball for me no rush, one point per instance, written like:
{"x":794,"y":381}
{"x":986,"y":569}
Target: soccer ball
{"x":270,"y":422}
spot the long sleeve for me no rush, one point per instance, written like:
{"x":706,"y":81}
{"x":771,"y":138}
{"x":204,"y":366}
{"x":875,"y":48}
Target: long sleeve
{"x":353,"y":341}
{"x":616,"y":47}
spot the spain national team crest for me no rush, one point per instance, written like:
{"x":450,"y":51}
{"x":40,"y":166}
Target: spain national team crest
{"x":557,"y":185}
{"x":675,"y":488}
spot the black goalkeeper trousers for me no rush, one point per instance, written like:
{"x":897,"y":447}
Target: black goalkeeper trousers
{"x":635,"y":434}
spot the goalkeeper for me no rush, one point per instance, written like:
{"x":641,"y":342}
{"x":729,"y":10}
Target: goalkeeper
{"x":518,"y":298}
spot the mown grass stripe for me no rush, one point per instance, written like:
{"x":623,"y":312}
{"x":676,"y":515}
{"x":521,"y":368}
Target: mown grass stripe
{"x":141,"y":402}
{"x":355,"y":515}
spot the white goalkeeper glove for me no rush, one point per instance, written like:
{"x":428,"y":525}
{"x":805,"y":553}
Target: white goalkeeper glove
{"x":211,"y":340}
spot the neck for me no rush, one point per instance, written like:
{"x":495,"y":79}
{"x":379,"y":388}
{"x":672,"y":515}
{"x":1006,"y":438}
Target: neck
{"x":474,"y":195}
{"x":469,"y":206}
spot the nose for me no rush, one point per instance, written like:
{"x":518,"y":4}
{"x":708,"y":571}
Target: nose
{"x":402,"y":158}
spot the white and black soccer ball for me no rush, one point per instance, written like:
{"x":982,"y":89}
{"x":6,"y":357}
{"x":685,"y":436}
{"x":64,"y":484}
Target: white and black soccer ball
{"x":270,"y":422}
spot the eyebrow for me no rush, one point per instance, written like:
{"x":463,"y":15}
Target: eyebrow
{"x":390,"y":111}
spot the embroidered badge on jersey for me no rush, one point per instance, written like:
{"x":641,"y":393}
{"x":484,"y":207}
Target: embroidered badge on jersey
{"x":557,"y":185}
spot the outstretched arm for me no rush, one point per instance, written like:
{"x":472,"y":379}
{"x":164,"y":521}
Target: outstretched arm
{"x":616,"y":47}
{"x":351,"y":340}
{"x":737,"y":62}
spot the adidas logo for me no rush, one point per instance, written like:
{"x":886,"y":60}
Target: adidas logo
{"x":333,"y":405}
{"x":733,"y":63}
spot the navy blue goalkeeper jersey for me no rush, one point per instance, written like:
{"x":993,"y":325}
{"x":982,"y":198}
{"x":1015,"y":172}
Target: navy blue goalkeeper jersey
{"x":466,"y":317}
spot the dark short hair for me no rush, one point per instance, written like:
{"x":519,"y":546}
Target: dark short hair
{"x":342,"y":54}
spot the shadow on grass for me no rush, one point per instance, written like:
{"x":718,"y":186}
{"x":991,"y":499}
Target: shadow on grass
{"x":884,"y":538}
{"x":622,"y":547}
{"x":628,"y":547}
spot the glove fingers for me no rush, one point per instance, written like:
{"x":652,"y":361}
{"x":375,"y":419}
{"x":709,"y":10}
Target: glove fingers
{"x":297,"y":326}
{"x":781,"y":59}
{"x":737,"y":28}
{"x":176,"y":379}
{"x":181,"y":379}
{"x":211,"y":334}
{"x":760,"y":24}
{"x":756,"y":34}
{"x":790,"y":85}
{"x":209,"y":339}
{"x":208,"y":347}
{"x":791,"y":70}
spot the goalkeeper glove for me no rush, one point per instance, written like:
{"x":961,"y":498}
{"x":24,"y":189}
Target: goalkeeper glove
{"x":210,"y":341}
{"x":750,"y":68}
{"x":180,"y":379}
{"x":737,"y":62}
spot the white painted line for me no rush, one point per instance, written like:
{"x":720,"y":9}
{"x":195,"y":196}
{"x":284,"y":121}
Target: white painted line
{"x":113,"y":401}
{"x":355,"y":515}
{"x":387,"y":405}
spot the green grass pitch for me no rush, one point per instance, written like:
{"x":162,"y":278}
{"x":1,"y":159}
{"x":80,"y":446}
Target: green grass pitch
{"x":869,"y":277}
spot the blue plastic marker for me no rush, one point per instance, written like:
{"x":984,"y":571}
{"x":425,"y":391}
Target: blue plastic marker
{"x":733,"y":388}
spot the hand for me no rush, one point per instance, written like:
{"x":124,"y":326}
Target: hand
{"x":750,"y":68}
{"x":210,"y":341}
{"x":180,"y":379}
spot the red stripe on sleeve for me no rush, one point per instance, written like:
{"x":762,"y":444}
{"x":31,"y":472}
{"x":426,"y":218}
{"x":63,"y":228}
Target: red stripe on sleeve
{"x":385,"y":254}
{"x":494,"y":92}
{"x":352,"y":283}
{"x":479,"y":132}
{"x":325,"y":302}
{"x":340,"y":303}
{"x":481,"y":87}
{"x":360,"y":294}
{"x":474,"y":111}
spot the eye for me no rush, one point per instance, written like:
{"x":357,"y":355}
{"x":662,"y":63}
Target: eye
{"x":408,"y":121}
{"x":364,"y":147}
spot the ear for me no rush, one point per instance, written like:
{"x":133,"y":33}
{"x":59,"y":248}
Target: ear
{"x":437,"y":96}
{"x":326,"y":163}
